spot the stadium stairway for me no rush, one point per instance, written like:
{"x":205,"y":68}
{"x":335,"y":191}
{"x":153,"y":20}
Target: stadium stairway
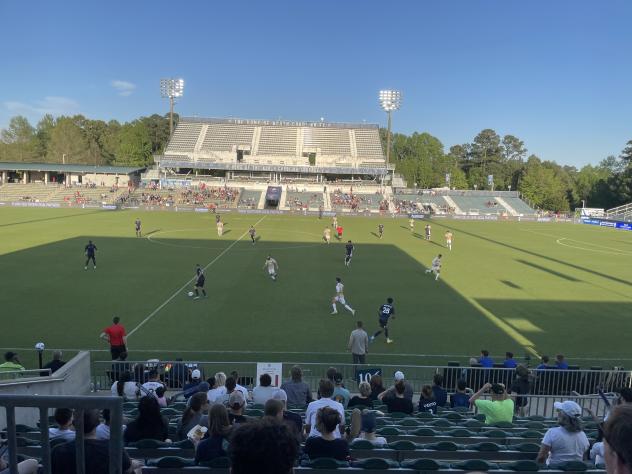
{"x":505,"y":204}
{"x":451,"y":203}
{"x":283,"y":199}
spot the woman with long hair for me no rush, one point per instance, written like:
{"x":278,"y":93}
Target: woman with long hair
{"x":125,"y":387}
{"x":216,"y":443}
{"x":566,"y":442}
{"x":193,"y":415}
{"x":149,"y":424}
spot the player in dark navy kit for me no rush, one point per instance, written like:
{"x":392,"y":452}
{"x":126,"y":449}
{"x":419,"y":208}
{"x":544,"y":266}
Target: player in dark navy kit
{"x":137,"y":226}
{"x":90,"y":254}
{"x":348,"y":253}
{"x":199,"y":282}
{"x":253,"y":234}
{"x":385,"y":312}
{"x":380,"y":230}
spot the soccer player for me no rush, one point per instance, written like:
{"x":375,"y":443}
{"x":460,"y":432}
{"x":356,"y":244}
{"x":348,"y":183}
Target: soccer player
{"x":253,"y":233}
{"x":220,"y":228}
{"x":218,"y":218}
{"x":411,"y":224}
{"x":90,"y":254}
{"x":327,"y":235}
{"x":436,"y":266}
{"x":428,"y":230}
{"x":334,"y":223}
{"x":137,"y":226}
{"x":199,"y":282}
{"x":385,"y":312}
{"x":340,"y":297}
{"x":272,"y":266}
{"x":348,"y":253}
{"x":448,"y":239}
{"x":339,"y":231}
{"x":380,"y":230}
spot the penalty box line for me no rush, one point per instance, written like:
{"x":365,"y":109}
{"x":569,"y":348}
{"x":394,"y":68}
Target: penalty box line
{"x":189,"y":281}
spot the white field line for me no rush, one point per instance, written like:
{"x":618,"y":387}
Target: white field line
{"x":188,"y":282}
{"x":613,"y":251}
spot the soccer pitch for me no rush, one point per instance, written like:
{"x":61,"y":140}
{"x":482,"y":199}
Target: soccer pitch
{"x":537,"y":288}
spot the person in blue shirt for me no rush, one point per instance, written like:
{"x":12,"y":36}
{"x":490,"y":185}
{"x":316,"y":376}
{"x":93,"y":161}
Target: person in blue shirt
{"x":544,"y":364}
{"x":385,"y":312}
{"x":485,"y":360}
{"x":137,"y":227}
{"x":460,"y":398}
{"x":90,"y":254}
{"x":348,"y":253}
{"x":560,"y":363}
{"x":509,"y":362}
{"x":439,"y":393}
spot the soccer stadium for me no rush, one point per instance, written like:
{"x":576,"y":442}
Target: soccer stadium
{"x":191,"y":294}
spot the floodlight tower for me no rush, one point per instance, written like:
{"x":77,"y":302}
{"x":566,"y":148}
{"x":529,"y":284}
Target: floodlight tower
{"x":171,"y":89}
{"x":390,"y":100}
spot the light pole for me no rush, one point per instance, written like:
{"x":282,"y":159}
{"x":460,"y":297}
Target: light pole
{"x":171,"y":89}
{"x":390,"y":100}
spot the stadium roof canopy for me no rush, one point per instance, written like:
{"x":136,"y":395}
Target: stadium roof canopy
{"x":64,"y":168}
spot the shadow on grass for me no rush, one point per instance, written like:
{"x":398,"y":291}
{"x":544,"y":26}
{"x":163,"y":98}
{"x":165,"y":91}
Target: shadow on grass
{"x":548,"y":270}
{"x":510,"y":284}
{"x":31,"y":221}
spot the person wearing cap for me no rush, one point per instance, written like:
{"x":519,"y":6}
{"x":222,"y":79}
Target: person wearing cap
{"x":236,"y":406}
{"x":367,"y":429}
{"x":617,"y":440}
{"x":499,"y":408}
{"x":408,"y":389}
{"x":341,"y":394}
{"x":566,"y":442}
{"x":397,"y":402}
{"x":11,"y":363}
{"x":289,"y":417}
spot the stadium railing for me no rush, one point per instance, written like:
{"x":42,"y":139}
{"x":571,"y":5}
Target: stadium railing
{"x":15,"y":374}
{"x":79,"y":404}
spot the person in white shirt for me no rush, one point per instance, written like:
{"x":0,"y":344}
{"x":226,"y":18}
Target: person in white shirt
{"x":272,"y":266}
{"x":65,"y":429}
{"x":327,"y":235}
{"x":367,"y":428}
{"x":241,"y":388}
{"x":264,"y":391}
{"x":149,"y":387}
{"x":617,"y":436}
{"x":597,"y":453}
{"x":218,"y":389}
{"x":448,"y":239}
{"x":220,"y":228}
{"x":340,"y":298}
{"x":566,"y":442}
{"x":326,"y":390}
{"x":125,"y":387}
{"x":436,"y":266}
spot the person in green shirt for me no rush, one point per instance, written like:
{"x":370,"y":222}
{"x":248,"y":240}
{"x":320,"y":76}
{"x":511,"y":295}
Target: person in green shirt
{"x":11,"y":364}
{"x":499,"y":408}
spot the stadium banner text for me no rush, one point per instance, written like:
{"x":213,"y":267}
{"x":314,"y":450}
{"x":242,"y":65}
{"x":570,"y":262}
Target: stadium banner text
{"x":612,"y":224}
{"x":364,"y":375}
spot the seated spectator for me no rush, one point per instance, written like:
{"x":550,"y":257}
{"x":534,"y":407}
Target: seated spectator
{"x":427,"y":401}
{"x":216,"y":443}
{"x":396,"y":400}
{"x":298,"y":392}
{"x":560,"y":363}
{"x":97,"y":453}
{"x":161,"y":396}
{"x":103,"y":430}
{"x":544,"y":363}
{"x":438,"y":392}
{"x":125,"y":387}
{"x":218,"y":389}
{"x":293,"y":419}
{"x":367,"y":430}
{"x":341,"y":394}
{"x":152,"y":384}
{"x":485,"y":360}
{"x":149,"y":423}
{"x":460,"y":398}
{"x":193,"y":385}
{"x":617,"y":434}
{"x":28,"y":466}
{"x":273,"y":409}
{"x":327,"y":445}
{"x":521,"y":386}
{"x":11,"y":363}
{"x":262,"y":447}
{"x":376,"y":386}
{"x":263,"y":392}
{"x":408,"y":388}
{"x":597,"y":454}
{"x":326,"y":390}
{"x":509,"y":362}
{"x":177,"y":376}
{"x":241,"y":388}
{"x":364,"y":399}
{"x":236,"y":407}
{"x":65,"y":428}
{"x":193,"y":415}
{"x":566,"y":442}
{"x":499,"y":408}
{"x":55,"y":364}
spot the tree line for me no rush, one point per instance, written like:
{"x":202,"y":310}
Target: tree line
{"x":420,"y":158}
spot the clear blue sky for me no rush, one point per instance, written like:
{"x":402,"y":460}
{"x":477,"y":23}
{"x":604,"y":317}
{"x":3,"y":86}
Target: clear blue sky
{"x":555,"y":73}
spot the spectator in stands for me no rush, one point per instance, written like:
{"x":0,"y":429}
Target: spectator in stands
{"x":55,"y":364}
{"x":438,"y":392}
{"x":28,"y":466}
{"x":544,"y":363}
{"x":193,"y":415}
{"x":273,"y":409}
{"x":560,"y":363}
{"x":521,"y":386}
{"x":395,"y":399}
{"x":509,"y":362}
{"x":161,"y":396}
{"x":65,"y":429}
{"x":149,"y":424}
{"x":289,"y":417}
{"x":364,"y":399}
{"x":178,"y":375}
{"x":264,"y":391}
{"x":499,"y":408}
{"x":460,"y":398}
{"x":566,"y":442}
{"x":376,"y":386}
{"x":103,"y":430}
{"x":264,"y":447}
{"x":341,"y":394}
{"x":298,"y":392}
{"x":195,"y":384}
{"x":367,"y":429}
{"x":331,"y":373}
{"x":216,"y":442}
{"x":326,"y":390}
{"x":218,"y":389}
{"x":617,"y":433}
{"x":11,"y":363}
{"x":96,"y":451}
{"x":241,"y":388}
{"x":152,"y":384}
{"x":485,"y":360}
{"x":408,"y":388}
{"x":125,"y":387}
{"x":236,"y":407}
{"x":427,"y":401}
{"x":327,"y":445}
{"x":229,"y":387}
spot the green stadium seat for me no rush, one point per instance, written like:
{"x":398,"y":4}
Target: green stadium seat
{"x":171,"y":462}
{"x":425,"y":415}
{"x":397,"y":415}
{"x":169,"y":412}
{"x":441,"y":423}
{"x":180,"y":406}
{"x":453,"y":416}
{"x":521,"y":465}
{"x":479,"y":417}
{"x":423,"y":464}
{"x":149,"y":444}
{"x":526,"y":447}
{"x":184,"y":444}
{"x":409,"y":422}
{"x":389,"y":431}
{"x":425,"y":431}
{"x":255,"y":413}
{"x":574,"y":466}
{"x":472,"y":424}
{"x":486,"y":446}
{"x":531,"y":434}
{"x":22,"y":442}
{"x":505,"y":425}
{"x":459,"y":433}
{"x":24,"y":428}
{"x":402,"y":445}
{"x":494,"y":434}
{"x":536,"y":418}
{"x":535,"y":425}
{"x":375,"y":463}
{"x":442,"y":446}
{"x":324,"y":463}
{"x":474,"y":465}
{"x":362,"y":444}
{"x":222,"y":462}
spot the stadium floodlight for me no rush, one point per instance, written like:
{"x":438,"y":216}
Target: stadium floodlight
{"x":390,"y":101}
{"x":171,"y":89}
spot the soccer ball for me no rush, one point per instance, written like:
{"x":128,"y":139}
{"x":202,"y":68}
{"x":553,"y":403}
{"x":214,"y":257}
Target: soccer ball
{"x":190,"y":293}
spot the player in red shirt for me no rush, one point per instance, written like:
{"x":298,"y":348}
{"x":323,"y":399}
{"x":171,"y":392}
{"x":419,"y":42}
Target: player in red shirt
{"x":339,"y":231}
{"x":116,"y":336}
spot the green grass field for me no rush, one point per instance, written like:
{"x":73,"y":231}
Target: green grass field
{"x":526,"y":287}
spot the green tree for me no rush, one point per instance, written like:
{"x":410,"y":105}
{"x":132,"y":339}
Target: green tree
{"x":68,"y":143}
{"x":42,"y":135}
{"x":18,"y":140}
{"x":542,"y":187}
{"x":134,"y":145}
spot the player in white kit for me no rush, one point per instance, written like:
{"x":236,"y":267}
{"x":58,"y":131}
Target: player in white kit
{"x":448,"y":239}
{"x":272,"y":266}
{"x":220,"y":228}
{"x":340,"y":298}
{"x":327,"y":235}
{"x":436,"y":266}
